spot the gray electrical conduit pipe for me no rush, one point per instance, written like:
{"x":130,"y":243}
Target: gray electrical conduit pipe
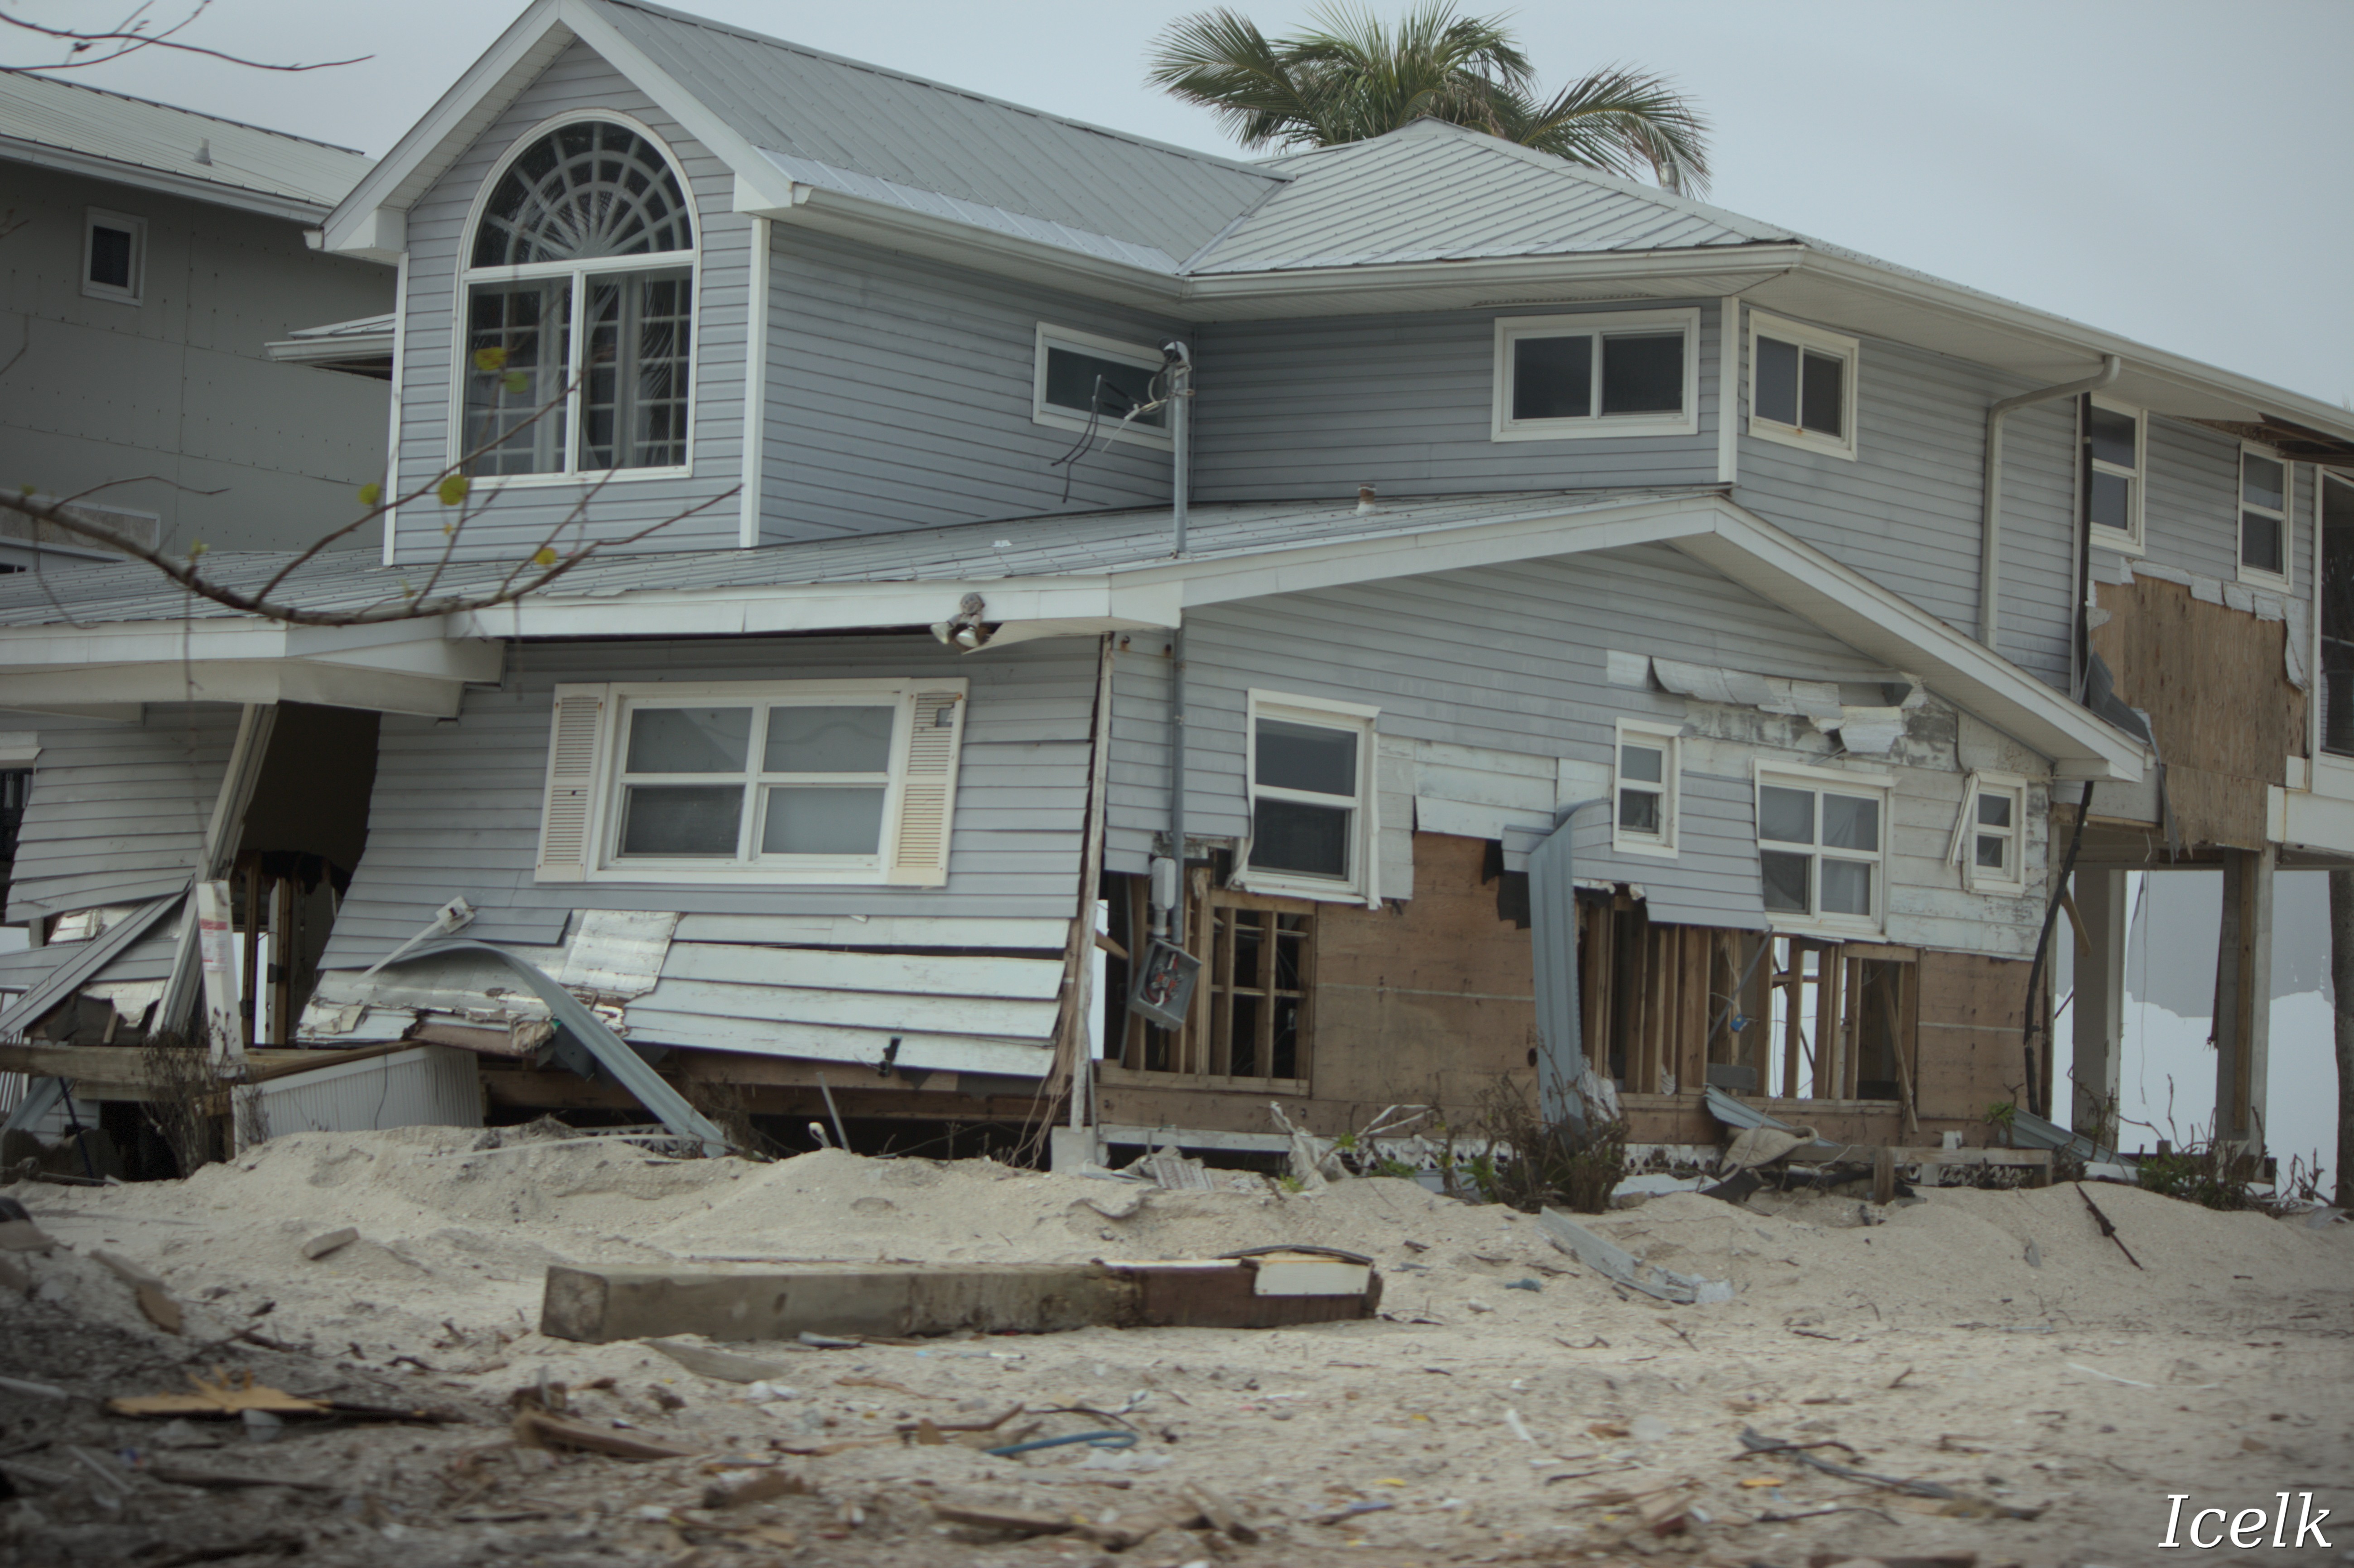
{"x":1991,"y":532}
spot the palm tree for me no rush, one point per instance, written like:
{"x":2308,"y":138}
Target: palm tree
{"x":1350,"y":77}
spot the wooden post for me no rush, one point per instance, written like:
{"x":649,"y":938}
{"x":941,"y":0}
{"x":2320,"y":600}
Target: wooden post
{"x":2099,"y":1008}
{"x":250,"y":1009}
{"x":282,"y":948}
{"x":1794,"y":984}
{"x":2243,"y":997}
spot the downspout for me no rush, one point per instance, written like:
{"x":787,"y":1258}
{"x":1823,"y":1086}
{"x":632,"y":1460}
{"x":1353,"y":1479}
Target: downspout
{"x":1991,"y":533}
{"x":1181,"y":395}
{"x":1560,"y":1015}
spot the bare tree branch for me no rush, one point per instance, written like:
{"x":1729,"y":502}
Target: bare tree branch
{"x":85,"y":47}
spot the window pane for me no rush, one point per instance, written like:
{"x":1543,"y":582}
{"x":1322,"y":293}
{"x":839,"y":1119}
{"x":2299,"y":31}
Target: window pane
{"x":1847,"y":886}
{"x":2263,"y":482}
{"x":822,"y":822}
{"x":2260,"y":542}
{"x":2112,"y":436}
{"x":110,"y":257}
{"x":1849,"y":822}
{"x":1307,"y":756}
{"x":1785,"y":816}
{"x":2109,"y":501}
{"x":688,"y":740}
{"x":1994,"y":810}
{"x":633,"y":387}
{"x":1552,"y":378}
{"x":1110,"y":388}
{"x":518,"y":338}
{"x":1825,"y":400}
{"x":1786,"y":881}
{"x":1312,"y":841}
{"x":1992,"y":852}
{"x":1643,"y":763}
{"x":828,"y":740}
{"x":681,"y":819}
{"x":1638,"y":810}
{"x":1643,"y":375}
{"x":1777,"y":381}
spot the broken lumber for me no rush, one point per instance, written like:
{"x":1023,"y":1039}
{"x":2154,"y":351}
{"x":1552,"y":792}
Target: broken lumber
{"x":155,"y":1297}
{"x":319,"y":1246}
{"x":538,"y":1429}
{"x":908,"y":1300}
{"x":2107,"y":1229}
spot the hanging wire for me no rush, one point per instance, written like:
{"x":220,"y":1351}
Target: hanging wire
{"x":1157,"y":391}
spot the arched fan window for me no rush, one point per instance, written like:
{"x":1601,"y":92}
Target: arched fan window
{"x":579,"y":309}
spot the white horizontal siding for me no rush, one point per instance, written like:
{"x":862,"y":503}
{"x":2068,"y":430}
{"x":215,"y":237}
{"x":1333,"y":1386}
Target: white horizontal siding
{"x":117,"y":815}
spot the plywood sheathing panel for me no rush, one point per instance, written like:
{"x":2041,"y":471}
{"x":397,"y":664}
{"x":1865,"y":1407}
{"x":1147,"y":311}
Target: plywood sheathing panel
{"x":1970,"y":1053}
{"x":2215,"y":686}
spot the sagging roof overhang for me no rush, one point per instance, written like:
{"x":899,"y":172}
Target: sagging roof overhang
{"x":1067,"y":576}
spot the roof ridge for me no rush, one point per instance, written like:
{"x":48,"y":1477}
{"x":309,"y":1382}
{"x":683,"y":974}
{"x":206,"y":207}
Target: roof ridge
{"x":182,"y":109}
{"x":1236,"y":165}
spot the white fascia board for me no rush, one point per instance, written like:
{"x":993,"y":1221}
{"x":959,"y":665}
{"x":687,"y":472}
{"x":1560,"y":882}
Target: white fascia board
{"x":421,"y":645}
{"x":237,"y":681}
{"x":213,"y":193}
{"x":459,"y":116}
{"x":1754,"y":263}
{"x":1893,"y":631}
{"x":824,"y":607}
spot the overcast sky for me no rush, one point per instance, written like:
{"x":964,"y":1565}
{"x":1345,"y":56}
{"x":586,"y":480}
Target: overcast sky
{"x":2171,"y":170}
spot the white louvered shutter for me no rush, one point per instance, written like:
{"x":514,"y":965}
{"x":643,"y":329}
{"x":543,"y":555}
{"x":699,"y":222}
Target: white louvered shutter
{"x":574,"y":749}
{"x":920,"y":845}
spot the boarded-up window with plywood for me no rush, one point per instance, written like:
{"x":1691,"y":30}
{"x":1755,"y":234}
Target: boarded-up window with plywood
{"x":1252,"y":1022}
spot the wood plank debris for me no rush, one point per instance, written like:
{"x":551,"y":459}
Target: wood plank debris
{"x":1616,"y":1262}
{"x":319,"y":1246}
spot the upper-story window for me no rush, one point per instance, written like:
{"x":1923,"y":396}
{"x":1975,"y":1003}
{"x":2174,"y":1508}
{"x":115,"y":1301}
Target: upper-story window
{"x":114,"y":256}
{"x":1310,"y":769}
{"x":579,"y":296}
{"x":1821,"y":846}
{"x":1802,"y":386}
{"x":1648,"y":783}
{"x":1082,"y":382}
{"x":2263,"y":518}
{"x":2116,"y":444}
{"x":1634,"y":372}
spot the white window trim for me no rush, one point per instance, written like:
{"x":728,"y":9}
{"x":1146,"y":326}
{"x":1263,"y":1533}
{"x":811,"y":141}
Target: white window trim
{"x":1962,"y":852}
{"x":1669,"y":739}
{"x":1364,"y":887}
{"x":2129,"y":541}
{"x":1851,"y":352}
{"x":605,"y":865}
{"x":579,"y":271}
{"x":1056,"y":417}
{"x":93,"y":219}
{"x":1509,"y":330}
{"x":1859,"y":782}
{"x":2256,"y":575}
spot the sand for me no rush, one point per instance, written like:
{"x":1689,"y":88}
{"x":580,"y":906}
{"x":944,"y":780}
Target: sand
{"x":1993,"y":1342}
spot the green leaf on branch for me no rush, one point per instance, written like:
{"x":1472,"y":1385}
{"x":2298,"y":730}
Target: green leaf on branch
{"x":453,"y":490}
{"x":515,"y":381}
{"x":543,"y":557}
{"x":371,"y":494}
{"x":490,"y":361}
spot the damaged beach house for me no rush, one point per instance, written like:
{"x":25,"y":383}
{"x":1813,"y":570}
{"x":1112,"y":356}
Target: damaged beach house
{"x":1134,"y":636}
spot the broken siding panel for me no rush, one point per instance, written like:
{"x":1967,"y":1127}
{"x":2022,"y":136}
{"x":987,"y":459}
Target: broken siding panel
{"x":1295,"y":410}
{"x":456,"y":807}
{"x":899,"y":396}
{"x":1713,"y":877}
{"x":1507,"y":659}
{"x":717,"y":1019}
{"x":1906,"y":512}
{"x":513,"y":523}
{"x":117,"y":815}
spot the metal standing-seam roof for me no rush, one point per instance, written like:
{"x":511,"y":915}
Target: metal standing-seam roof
{"x":122,"y":591}
{"x":1436,"y":192}
{"x":64,"y":124}
{"x":804,"y":103}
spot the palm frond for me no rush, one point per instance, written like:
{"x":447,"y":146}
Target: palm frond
{"x":1221,"y":60}
{"x":1622,"y":122}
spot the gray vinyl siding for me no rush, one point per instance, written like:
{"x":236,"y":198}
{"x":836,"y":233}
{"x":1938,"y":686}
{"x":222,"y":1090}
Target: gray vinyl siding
{"x":117,"y":815}
{"x":1507,"y":658}
{"x":2191,"y":500}
{"x":899,"y":396}
{"x":1906,"y":513}
{"x":1713,"y":879}
{"x":1310,"y":410}
{"x":515,"y":522}
{"x":457,"y":805}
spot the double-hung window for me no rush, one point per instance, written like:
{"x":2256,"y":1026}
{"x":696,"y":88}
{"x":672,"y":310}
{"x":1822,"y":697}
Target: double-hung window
{"x":1643,"y":818}
{"x":1802,"y":386}
{"x":783,"y":781}
{"x":2115,"y":447}
{"x":2263,"y":518}
{"x":1633,"y":372}
{"x":579,"y":309}
{"x":1310,"y":768}
{"x":114,"y":256}
{"x":1821,"y":848}
{"x":1083,"y":381}
{"x":1990,"y":837}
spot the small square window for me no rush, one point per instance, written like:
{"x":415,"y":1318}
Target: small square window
{"x":2116,"y":444}
{"x":2264,"y":490}
{"x":1990,"y":838}
{"x":1084,"y":382}
{"x":1643,"y":820}
{"x":1602,"y":374}
{"x":114,"y":256}
{"x":1310,"y":796}
{"x":1802,"y":386}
